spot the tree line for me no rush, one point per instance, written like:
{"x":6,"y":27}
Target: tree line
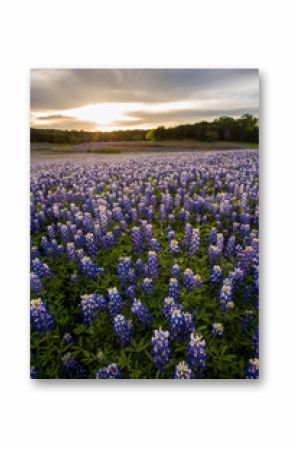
{"x":243,"y":129}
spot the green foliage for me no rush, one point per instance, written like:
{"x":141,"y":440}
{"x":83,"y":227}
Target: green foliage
{"x":98,"y":346}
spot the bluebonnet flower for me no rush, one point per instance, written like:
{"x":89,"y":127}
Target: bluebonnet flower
{"x":162,"y":213}
{"x":252,"y":372}
{"x":90,"y":306}
{"x":170,"y":235}
{"x":115,"y":302}
{"x":182,"y":371}
{"x":173,"y":247}
{"x":175,"y":271}
{"x":131,"y":292}
{"x":147,"y":231}
{"x":116,"y":232}
{"x":220,"y":241}
{"x":39,"y":268}
{"x":217,"y":329}
{"x":79,"y":239}
{"x":194,"y":242}
{"x":226,"y":295}
{"x":71,"y":367}
{"x":216,"y":276}
{"x":230,"y":249}
{"x":70,"y":250}
{"x":139,"y":266}
{"x":237,"y":276}
{"x":214,"y":254}
{"x":45,"y":245}
{"x":123,"y":269}
{"x":212,"y":237}
{"x":64,"y":233}
{"x":173,"y":288}
{"x":196,"y":354}
{"x":247,"y":257}
{"x":152,"y":264}
{"x":171,"y":218}
{"x":142,"y":313}
{"x":147,"y":285}
{"x":188,"y":279}
{"x":90,"y":268}
{"x":137,"y":240}
{"x":183,"y":215}
{"x":123,"y":329}
{"x":50,"y":232}
{"x":34,"y":252}
{"x":197,"y":281}
{"x":35,"y":284}
{"x":187,"y":235}
{"x":67,"y":338}
{"x":176,"y":319}
{"x":91,"y":244}
{"x":155,"y":245}
{"x":41,"y":318}
{"x":109,"y":372}
{"x":160,"y":351}
{"x":189,"y":324}
{"x":109,"y":240}
{"x":168,"y":306}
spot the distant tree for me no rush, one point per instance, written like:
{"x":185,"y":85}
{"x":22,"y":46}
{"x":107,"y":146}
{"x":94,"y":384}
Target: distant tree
{"x":245,"y":128}
{"x":150,"y":135}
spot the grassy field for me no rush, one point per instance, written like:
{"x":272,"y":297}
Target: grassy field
{"x":128,"y":147}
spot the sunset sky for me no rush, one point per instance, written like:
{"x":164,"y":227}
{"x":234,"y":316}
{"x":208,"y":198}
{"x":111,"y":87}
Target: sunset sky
{"x":109,"y":99}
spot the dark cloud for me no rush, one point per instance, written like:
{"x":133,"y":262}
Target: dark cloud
{"x":71,"y":88}
{"x":62,"y":122}
{"x":55,"y":117}
{"x":180,"y":116}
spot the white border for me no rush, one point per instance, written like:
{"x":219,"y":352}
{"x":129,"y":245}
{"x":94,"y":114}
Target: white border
{"x":144,"y":34}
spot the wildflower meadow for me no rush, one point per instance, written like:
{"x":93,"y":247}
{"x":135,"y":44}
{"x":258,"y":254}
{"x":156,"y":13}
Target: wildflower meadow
{"x":145,"y":266}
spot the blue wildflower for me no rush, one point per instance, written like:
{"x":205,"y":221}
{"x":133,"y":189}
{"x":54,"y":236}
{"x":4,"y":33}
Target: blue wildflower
{"x":123,"y":329}
{"x":182,"y":371}
{"x":196,"y":354}
{"x":173,"y":288}
{"x":109,"y":372}
{"x":41,"y":318}
{"x":142,"y":313}
{"x":160,"y":351}
{"x":91,"y":305}
{"x":115,"y":302}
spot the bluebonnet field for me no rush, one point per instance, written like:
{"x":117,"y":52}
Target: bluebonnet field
{"x":145,"y":267}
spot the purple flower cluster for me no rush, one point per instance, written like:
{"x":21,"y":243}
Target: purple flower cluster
{"x":40,"y":316}
{"x":196,"y":354}
{"x":160,"y":351}
{"x":173,"y":288}
{"x":109,"y":372}
{"x":252,"y":371}
{"x":89,"y":268}
{"x":90,"y":306}
{"x":182,"y":371}
{"x":115,"y":302}
{"x":123,"y":329}
{"x":142,"y":313}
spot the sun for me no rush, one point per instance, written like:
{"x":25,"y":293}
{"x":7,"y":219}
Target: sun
{"x":105,"y":115}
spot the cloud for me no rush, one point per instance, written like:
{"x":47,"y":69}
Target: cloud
{"x":55,"y":117}
{"x":72,"y":88}
{"x":177,"y":116}
{"x":63,"y":122}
